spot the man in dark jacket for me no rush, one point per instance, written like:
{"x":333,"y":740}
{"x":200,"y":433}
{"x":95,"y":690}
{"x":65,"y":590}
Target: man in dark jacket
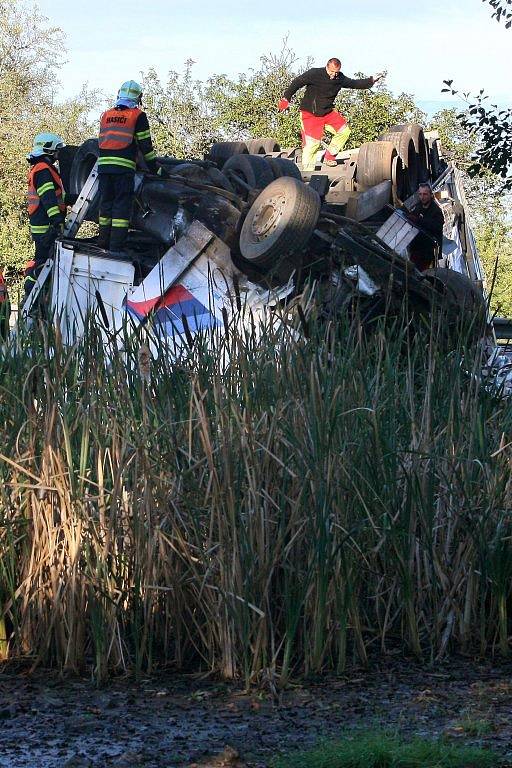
{"x":428,"y":216}
{"x":317,"y":112}
{"x":124,"y":132}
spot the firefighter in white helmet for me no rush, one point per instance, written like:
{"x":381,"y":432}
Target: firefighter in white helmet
{"x":46,"y":201}
{"x":124,"y":130}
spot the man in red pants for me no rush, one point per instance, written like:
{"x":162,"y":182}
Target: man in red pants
{"x":316,"y":109}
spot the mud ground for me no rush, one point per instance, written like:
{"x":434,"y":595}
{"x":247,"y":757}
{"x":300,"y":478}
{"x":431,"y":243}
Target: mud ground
{"x":50,"y":722}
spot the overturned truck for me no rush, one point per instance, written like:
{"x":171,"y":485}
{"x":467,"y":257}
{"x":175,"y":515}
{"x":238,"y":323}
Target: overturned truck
{"x":246,"y":227}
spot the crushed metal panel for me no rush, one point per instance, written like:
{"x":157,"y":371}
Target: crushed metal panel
{"x":85,"y":284}
{"x":143,"y":299}
{"x":397,"y":232}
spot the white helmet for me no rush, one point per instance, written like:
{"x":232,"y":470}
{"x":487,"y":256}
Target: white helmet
{"x":129,"y":94}
{"x":46,"y":144}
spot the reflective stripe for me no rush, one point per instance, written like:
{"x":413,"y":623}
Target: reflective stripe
{"x":53,"y":211}
{"x":44,"y":188}
{"x":39,"y":229}
{"x":33,"y":195}
{"x":150,"y":155}
{"x":117,"y":128}
{"x":111,"y":133}
{"x":122,"y":161}
{"x":143,"y":134}
{"x":121,"y":223}
{"x":105,"y":221}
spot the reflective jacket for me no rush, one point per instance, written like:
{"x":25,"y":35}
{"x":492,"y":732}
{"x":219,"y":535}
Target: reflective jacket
{"x":46,"y":206}
{"x":123,"y":131}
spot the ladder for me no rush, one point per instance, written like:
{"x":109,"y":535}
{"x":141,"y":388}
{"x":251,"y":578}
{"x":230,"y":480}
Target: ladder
{"x":79,"y":210}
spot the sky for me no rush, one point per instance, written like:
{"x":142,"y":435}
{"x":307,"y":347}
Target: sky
{"x":419,"y":43}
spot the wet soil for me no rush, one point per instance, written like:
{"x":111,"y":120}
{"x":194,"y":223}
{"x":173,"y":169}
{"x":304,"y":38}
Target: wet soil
{"x":47,"y":721}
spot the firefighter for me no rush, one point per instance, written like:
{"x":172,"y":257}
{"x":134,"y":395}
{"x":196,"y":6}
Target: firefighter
{"x":124,"y":130}
{"x":46,"y":202}
{"x":317,"y":113}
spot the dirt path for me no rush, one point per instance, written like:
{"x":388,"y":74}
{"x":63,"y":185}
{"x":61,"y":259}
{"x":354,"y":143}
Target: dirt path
{"x":46,"y":722}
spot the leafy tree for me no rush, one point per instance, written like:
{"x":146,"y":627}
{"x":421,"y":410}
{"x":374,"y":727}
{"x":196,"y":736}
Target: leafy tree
{"x":178,"y":113}
{"x":502,"y":10}
{"x":494,"y":241}
{"x":247,"y":107}
{"x":373,"y":111}
{"x":491,"y":126}
{"x":30,"y":49}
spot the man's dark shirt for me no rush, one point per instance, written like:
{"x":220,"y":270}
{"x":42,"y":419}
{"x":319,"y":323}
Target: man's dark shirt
{"x":321,"y":90}
{"x":431,"y":220}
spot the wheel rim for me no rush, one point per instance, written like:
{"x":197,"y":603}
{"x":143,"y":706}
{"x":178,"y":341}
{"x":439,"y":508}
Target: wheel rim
{"x":267,"y":217}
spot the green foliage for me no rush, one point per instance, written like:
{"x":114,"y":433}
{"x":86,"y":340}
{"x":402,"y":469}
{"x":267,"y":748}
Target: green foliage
{"x":30,"y":50}
{"x":372,"y":112}
{"x":180,"y":123}
{"x":247,"y":107}
{"x":384,"y":751}
{"x":190,"y":115}
{"x":502,"y":10}
{"x":494,"y":241}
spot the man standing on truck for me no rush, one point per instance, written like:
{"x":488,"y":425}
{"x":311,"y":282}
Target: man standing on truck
{"x":317,"y":113}
{"x":124,"y":131}
{"x":46,"y":202}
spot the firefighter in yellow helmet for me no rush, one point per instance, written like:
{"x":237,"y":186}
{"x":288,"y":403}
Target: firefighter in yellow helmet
{"x":124,"y":130}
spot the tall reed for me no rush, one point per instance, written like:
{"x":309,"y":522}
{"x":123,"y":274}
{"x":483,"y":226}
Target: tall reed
{"x":322,"y":498}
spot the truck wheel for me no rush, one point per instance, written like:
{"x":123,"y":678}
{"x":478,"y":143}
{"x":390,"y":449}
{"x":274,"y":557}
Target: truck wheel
{"x":253,"y":170}
{"x":415,"y":131}
{"x":375,"y":162}
{"x":83,"y":163}
{"x":282,"y":167}
{"x":262,"y":146}
{"x":434,"y":160}
{"x":219,"y":179}
{"x":223,"y":150}
{"x":66,"y":157}
{"x":280,"y":222}
{"x":404,"y":145}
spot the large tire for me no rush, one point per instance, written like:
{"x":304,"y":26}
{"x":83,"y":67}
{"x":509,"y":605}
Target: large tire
{"x":400,"y":179}
{"x":66,"y":157}
{"x":463,"y":302}
{"x":282,"y":167}
{"x":253,"y":170}
{"x":280,"y":223}
{"x":404,"y":145}
{"x":83,"y":163}
{"x":223,"y":150}
{"x":416,"y":133}
{"x":201,"y":175}
{"x":375,"y":162}
{"x":434,"y":160}
{"x":262,"y":146}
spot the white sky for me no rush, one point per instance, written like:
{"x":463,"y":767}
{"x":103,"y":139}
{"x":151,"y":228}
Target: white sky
{"x":420,"y":44}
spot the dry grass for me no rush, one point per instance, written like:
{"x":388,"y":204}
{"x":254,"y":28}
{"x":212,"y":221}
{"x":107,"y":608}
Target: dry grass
{"x":312,"y":503}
